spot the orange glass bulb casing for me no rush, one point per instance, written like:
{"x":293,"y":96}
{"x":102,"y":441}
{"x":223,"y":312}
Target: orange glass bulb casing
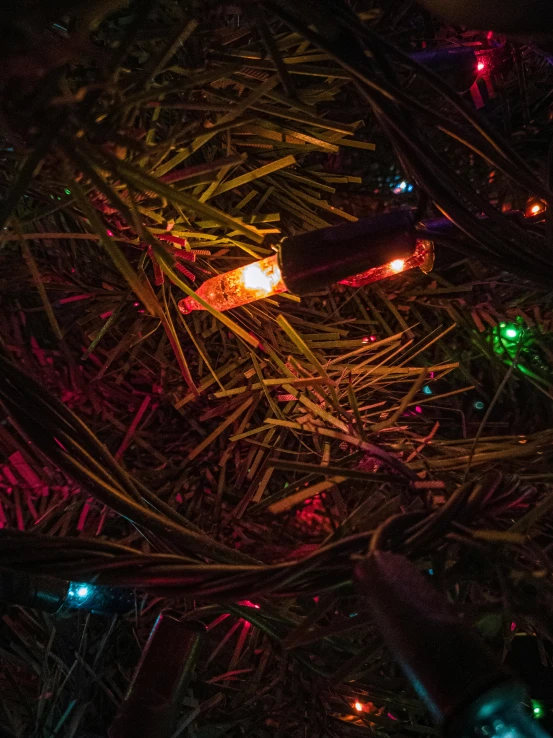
{"x":239,"y":286}
{"x":423,"y":257}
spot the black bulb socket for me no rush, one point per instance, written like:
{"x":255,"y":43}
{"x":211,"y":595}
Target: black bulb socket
{"x":447,"y":663}
{"x":152,"y":704}
{"x":317,"y":259}
{"x":40,"y":592}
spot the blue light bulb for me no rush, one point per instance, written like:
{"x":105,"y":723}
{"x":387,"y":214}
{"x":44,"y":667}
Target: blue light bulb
{"x":93,"y":598}
{"x":426,"y":390}
{"x":501,"y":713}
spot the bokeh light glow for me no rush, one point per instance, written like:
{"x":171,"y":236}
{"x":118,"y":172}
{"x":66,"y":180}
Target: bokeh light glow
{"x":397,"y":265}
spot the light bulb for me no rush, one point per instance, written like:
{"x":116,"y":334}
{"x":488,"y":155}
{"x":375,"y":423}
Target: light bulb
{"x":99,"y":599}
{"x":397,"y":265}
{"x":422,"y":257}
{"x":480,"y":66}
{"x":358,"y":706}
{"x":264,"y":278}
{"x":239,"y":287}
{"x":510,"y":331}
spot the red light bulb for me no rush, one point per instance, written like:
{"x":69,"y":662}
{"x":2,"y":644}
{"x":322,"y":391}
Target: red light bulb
{"x":422,"y":257}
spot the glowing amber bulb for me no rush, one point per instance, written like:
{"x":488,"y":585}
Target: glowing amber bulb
{"x":422,"y":257}
{"x":397,"y":265}
{"x":358,"y":706}
{"x":535,"y":209}
{"x":238,"y":287}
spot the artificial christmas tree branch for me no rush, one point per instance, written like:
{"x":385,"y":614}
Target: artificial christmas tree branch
{"x":236,"y":466}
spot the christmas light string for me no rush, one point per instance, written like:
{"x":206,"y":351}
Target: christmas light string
{"x":270,"y":276}
{"x":264,"y":278}
{"x":51,"y":594}
{"x":355,"y":254}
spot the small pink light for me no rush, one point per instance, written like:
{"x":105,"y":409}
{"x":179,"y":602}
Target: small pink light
{"x":110,"y":233}
{"x":513,"y":626}
{"x":136,"y":304}
{"x":418,"y":409}
{"x":391,"y":716}
{"x":248,"y":603}
{"x":480,"y":66}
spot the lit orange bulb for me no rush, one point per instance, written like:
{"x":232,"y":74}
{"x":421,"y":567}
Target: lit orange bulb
{"x":239,"y":287}
{"x":397,"y":265}
{"x":358,"y":706}
{"x":264,"y":278}
{"x":422,"y":257}
{"x":535,"y":209}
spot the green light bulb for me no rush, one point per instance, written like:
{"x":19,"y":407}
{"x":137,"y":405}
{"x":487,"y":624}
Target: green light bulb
{"x":537,"y":709}
{"x":511,"y":333}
